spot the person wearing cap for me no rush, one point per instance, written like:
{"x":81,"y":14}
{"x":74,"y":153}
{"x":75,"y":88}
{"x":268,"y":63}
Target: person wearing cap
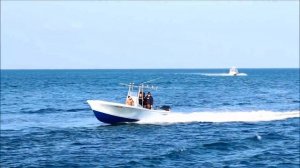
{"x":149,"y":101}
{"x":129,"y":101}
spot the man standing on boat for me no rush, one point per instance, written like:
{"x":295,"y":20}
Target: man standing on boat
{"x":149,"y":101}
{"x":141,"y":98}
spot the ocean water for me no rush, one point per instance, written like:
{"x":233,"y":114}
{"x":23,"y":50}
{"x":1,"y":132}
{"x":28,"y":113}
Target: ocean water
{"x":251,"y":120}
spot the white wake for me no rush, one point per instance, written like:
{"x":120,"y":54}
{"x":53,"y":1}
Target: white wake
{"x":254,"y":116}
{"x":222,"y":74}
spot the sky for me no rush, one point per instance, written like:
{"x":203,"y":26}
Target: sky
{"x":149,"y":34}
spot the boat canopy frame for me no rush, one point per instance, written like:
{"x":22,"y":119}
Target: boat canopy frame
{"x":141,"y":87}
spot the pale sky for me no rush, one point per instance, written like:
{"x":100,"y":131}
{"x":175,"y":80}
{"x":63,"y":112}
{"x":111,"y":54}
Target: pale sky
{"x":141,"y":34}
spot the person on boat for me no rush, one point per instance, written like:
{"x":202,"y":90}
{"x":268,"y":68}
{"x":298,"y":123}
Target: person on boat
{"x":141,"y":98}
{"x":149,"y":101}
{"x":129,"y":101}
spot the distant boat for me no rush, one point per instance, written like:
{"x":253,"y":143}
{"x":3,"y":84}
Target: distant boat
{"x":113,"y":113}
{"x":233,"y":71}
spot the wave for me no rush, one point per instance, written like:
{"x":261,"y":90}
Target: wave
{"x":78,"y":109}
{"x":222,"y":74}
{"x":52,"y":110}
{"x":251,"y":116}
{"x":42,"y":110}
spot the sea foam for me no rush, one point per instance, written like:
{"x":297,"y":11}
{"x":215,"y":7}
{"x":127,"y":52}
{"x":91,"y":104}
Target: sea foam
{"x":250,"y":116}
{"x":222,"y":74}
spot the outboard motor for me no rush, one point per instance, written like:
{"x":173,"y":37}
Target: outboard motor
{"x":165,"y":107}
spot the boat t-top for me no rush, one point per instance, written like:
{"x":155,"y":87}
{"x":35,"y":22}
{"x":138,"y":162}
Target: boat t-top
{"x":113,"y":113}
{"x":233,"y":71}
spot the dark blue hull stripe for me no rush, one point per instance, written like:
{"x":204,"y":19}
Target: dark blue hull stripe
{"x":111,"y":119}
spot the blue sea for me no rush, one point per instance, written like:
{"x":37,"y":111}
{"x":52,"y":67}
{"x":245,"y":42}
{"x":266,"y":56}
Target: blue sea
{"x":216,"y":120}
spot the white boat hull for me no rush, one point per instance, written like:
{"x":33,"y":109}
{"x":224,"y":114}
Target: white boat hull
{"x":233,"y":73}
{"x":113,"y":113}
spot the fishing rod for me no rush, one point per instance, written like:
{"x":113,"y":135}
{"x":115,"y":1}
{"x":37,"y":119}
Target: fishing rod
{"x":142,"y":84}
{"x":128,"y":85}
{"x":151,"y":80}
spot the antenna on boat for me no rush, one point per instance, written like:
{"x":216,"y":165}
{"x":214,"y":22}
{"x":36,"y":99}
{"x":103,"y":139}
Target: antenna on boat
{"x":151,"y":80}
{"x":128,"y":85}
{"x":142,"y":85}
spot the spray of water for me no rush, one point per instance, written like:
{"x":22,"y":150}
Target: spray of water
{"x":222,"y":74}
{"x":251,"y":116}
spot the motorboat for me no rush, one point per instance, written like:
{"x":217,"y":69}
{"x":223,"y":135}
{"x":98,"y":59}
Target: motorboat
{"x":233,"y":71}
{"x":114,"y":113}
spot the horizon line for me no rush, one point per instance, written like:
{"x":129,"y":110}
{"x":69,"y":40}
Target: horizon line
{"x":140,"y":68}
